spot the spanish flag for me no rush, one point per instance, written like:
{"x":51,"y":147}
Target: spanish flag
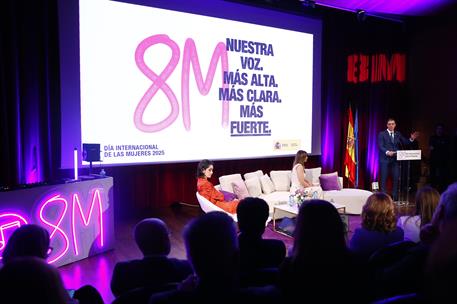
{"x":349,"y":157}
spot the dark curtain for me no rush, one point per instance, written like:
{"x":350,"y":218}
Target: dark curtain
{"x":344,"y":35}
{"x":29,"y":88}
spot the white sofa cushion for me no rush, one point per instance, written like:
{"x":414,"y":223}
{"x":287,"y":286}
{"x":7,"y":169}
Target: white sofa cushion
{"x":257,"y":174}
{"x":240,"y":189}
{"x":312,"y":174}
{"x":266,"y":184}
{"x":275,"y":198}
{"x":253,"y":185}
{"x":281,"y":179}
{"x":353,"y":199}
{"x":226,"y":181}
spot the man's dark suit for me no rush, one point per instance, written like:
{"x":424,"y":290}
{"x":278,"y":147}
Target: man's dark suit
{"x":386,"y":162}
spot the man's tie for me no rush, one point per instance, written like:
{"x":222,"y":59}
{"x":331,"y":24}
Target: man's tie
{"x":392,"y":136}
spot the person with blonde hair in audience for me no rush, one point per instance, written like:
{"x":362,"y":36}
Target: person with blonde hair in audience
{"x":427,"y":199}
{"x":379,"y":226}
{"x":206,"y":189}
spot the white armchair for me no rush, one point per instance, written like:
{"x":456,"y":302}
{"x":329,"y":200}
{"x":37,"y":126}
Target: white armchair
{"x":207,"y":206}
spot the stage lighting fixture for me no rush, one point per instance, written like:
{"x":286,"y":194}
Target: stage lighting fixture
{"x":361,"y":15}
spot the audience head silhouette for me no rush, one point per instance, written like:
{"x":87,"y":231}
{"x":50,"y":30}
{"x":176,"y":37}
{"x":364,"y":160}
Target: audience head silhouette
{"x":152,"y":237}
{"x":252,"y":215}
{"x":378,"y":213}
{"x":319,"y":233}
{"x":447,"y":207}
{"x":319,"y":253}
{"x":31,"y":280}
{"x":202,"y":166}
{"x":28,"y":240}
{"x":427,"y":199}
{"x":441,"y":268}
{"x":88,"y":294}
{"x":212,"y":248}
{"x":445,"y":211}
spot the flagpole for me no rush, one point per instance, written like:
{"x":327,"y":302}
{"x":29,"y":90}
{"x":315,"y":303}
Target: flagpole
{"x":356,"y":142}
{"x":349,"y":158}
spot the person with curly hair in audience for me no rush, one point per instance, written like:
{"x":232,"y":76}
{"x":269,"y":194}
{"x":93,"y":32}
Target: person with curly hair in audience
{"x":379,"y":226}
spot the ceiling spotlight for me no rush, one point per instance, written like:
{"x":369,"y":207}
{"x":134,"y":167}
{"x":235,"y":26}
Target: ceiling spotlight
{"x":361,"y":15}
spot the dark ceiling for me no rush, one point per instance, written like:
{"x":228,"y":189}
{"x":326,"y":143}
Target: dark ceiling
{"x":391,"y":7}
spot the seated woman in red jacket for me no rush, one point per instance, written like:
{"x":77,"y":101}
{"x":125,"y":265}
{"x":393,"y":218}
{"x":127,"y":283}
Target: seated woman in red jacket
{"x":206,"y":189}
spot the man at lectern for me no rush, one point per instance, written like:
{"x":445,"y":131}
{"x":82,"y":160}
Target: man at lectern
{"x":389,"y":141}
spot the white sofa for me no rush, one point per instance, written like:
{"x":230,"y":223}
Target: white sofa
{"x":274,"y":189}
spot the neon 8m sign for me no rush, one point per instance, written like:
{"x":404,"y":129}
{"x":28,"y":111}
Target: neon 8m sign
{"x":75,"y":224}
{"x":9,"y":221}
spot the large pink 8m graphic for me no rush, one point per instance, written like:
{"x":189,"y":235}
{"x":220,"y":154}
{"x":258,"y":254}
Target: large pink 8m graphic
{"x":159,"y":81}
